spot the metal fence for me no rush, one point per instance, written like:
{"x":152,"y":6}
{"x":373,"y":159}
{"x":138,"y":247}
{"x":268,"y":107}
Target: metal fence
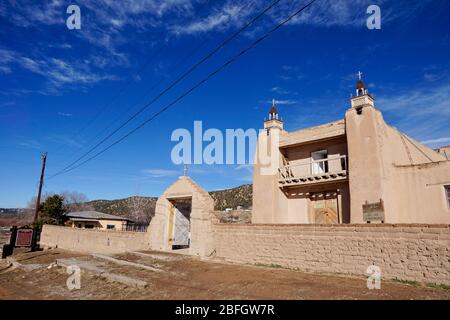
{"x":135,"y":227}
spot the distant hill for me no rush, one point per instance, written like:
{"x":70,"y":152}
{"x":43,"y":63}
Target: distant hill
{"x":138,"y":208}
{"x":143,"y":208}
{"x":231,"y":198}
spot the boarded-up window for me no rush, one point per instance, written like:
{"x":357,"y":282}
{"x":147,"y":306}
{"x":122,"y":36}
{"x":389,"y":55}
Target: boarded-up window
{"x":447,"y":193}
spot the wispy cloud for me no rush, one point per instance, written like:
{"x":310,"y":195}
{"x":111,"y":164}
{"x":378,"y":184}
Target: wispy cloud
{"x":247,"y":176}
{"x":221,"y":18}
{"x":437,"y":140}
{"x":7,"y":104}
{"x":290,"y":73}
{"x":279,"y":90}
{"x":160,"y":173}
{"x":29,"y":14}
{"x":57,"y":72}
{"x":419,"y":101}
{"x":105,"y":22}
{"x":337,"y":13}
{"x":30,"y":143}
{"x":64,"y":140}
{"x":285,"y":102}
{"x":436,"y":72}
{"x":422,"y":112}
{"x":63,"y":114}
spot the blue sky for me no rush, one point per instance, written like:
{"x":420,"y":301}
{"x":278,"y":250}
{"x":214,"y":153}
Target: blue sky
{"x":54,"y":81}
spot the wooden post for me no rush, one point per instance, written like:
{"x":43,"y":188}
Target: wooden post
{"x":38,"y":199}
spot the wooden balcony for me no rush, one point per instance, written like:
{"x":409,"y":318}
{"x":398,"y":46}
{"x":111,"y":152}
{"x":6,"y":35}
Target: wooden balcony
{"x":313,"y":172}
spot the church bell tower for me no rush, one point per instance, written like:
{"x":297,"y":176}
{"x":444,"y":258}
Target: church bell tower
{"x":362,"y":98}
{"x":274,"y":121}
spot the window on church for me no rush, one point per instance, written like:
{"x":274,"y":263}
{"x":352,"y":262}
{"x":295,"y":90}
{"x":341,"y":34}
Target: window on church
{"x":319,"y":162}
{"x":447,"y":195}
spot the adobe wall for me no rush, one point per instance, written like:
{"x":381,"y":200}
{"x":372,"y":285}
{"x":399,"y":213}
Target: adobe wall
{"x":366,"y":170}
{"x":201,"y":217}
{"x":407,"y":252}
{"x":424,"y":184}
{"x":385,"y":164}
{"x":299,"y":202}
{"x":268,"y":198}
{"x":300,"y":156}
{"x":93,"y":240}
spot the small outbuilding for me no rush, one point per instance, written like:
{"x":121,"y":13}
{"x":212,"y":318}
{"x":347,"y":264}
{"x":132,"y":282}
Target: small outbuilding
{"x":96,"y":220}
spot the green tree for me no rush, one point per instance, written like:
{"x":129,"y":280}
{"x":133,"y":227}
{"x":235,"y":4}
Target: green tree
{"x":52,"y":211}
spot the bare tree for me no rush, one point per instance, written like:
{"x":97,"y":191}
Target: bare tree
{"x":140,"y":209}
{"x":76,"y":201}
{"x":31,"y":205}
{"x":137,"y":207}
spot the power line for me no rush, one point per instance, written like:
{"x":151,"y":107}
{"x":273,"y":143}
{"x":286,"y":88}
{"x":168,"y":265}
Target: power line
{"x":174,"y":83}
{"x":198,"y":84}
{"x":174,"y":67}
{"x":154,"y":86}
{"x":115,"y":98}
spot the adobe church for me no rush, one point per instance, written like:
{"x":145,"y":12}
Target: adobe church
{"x":355,"y":170}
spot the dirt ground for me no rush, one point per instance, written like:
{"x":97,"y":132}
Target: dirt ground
{"x":182,"y":277}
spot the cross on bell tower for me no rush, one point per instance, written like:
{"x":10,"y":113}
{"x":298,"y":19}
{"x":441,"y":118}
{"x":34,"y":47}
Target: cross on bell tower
{"x":362,"y":98}
{"x":273,"y":113}
{"x":360,"y":86}
{"x":273,"y":121}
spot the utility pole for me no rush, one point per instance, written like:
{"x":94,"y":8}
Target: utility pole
{"x":38,"y":199}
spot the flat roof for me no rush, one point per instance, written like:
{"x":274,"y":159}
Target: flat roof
{"x":82,"y":219}
{"x":94,"y":215}
{"x":323,"y":132}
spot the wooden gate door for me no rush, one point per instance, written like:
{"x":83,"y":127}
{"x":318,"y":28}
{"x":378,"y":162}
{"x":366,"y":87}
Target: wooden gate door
{"x":325,"y":207}
{"x":182,"y":224}
{"x":170,"y":227}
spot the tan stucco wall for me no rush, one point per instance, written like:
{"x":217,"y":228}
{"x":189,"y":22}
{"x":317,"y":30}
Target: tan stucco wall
{"x":299,"y":203}
{"x":408,"y":252}
{"x":274,"y":205}
{"x":117,"y":223}
{"x":93,"y":240}
{"x":421,"y":194}
{"x":382,"y":162}
{"x":418,"y":253}
{"x":301,"y":155}
{"x":83,"y":224}
{"x":201,"y":217}
{"x":385,"y":164}
{"x":269,"y":202}
{"x":366,"y":170}
{"x":101,"y":224}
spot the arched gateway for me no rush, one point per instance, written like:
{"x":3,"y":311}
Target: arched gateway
{"x":182,"y":221}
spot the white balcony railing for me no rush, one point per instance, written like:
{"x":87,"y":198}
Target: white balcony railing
{"x":328,"y":169}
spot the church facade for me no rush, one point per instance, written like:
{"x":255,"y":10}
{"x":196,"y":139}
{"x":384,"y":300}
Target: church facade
{"x":355,"y":170}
